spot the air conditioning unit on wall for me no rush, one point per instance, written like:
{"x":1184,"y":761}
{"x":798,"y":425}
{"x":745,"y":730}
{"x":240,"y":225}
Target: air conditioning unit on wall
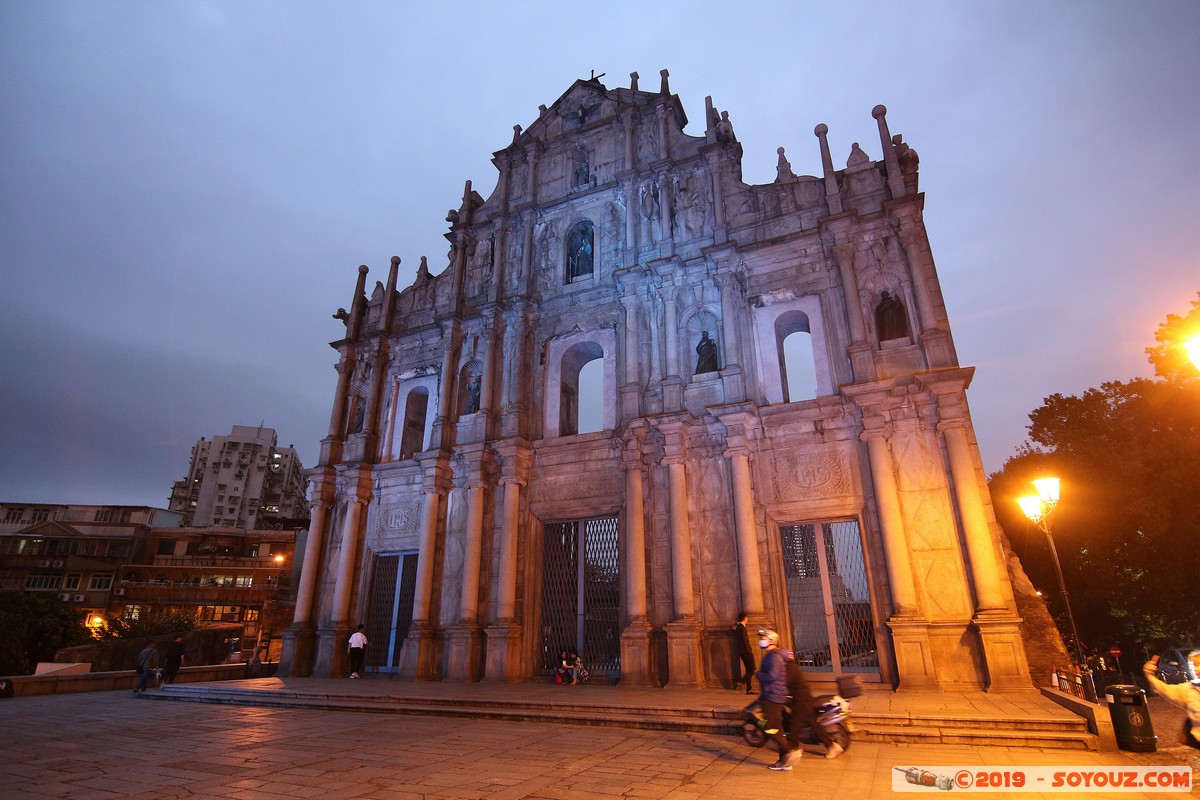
{"x":119,"y":592}
{"x":66,"y":598}
{"x":79,"y":598}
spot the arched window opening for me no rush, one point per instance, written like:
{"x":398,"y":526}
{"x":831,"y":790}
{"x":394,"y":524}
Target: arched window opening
{"x":799,"y":367}
{"x":580,"y":250}
{"x":797,"y":361}
{"x":412,"y":437}
{"x":591,"y":397}
{"x":576,"y":382}
{"x":891,"y":318}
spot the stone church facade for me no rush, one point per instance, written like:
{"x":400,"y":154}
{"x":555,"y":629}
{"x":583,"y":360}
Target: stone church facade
{"x":644,"y":395}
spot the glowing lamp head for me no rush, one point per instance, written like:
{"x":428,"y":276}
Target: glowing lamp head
{"x":1192,"y":348}
{"x":1047,"y":489}
{"x":1031,"y":505}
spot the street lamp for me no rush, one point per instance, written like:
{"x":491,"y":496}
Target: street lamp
{"x":1192,"y":348}
{"x":1039,"y":508}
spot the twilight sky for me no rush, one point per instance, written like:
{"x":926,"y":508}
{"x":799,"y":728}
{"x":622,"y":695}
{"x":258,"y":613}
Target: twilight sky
{"x":188,"y":188}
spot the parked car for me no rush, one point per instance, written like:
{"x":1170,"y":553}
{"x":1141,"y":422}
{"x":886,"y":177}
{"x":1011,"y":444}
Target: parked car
{"x":1180,"y":665}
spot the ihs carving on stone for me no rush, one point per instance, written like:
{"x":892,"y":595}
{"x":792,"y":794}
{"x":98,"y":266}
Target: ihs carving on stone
{"x":821,"y":474}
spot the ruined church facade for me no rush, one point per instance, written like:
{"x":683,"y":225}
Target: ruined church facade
{"x":644,"y":395}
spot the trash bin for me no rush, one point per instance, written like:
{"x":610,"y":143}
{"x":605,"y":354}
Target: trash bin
{"x":1131,"y":718}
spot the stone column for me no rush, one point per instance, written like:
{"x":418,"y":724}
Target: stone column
{"x":683,"y":632}
{"x":464,"y":641}
{"x":635,"y":639}
{"x":310,"y":571}
{"x":891,"y":519}
{"x":345,"y":370}
{"x":672,"y":383}
{"x":299,"y":640}
{"x":503,"y":634}
{"x":331,"y":651}
{"x":910,"y":630}
{"x":861,"y":349}
{"x":347,"y":561}
{"x":985,"y":570}
{"x":998,"y":627}
{"x":926,"y":314}
{"x":682,"y":598}
{"x":732,"y":378}
{"x":749,"y":567}
{"x":631,"y":388}
{"x":418,"y":657}
{"x":388,"y":452}
{"x":488,"y":336}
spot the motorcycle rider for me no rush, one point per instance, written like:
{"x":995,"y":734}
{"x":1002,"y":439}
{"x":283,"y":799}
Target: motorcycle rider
{"x":804,"y":712}
{"x":772,"y":684}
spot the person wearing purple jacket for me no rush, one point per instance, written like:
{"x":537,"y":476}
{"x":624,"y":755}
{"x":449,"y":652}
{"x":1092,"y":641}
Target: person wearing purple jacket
{"x":773,"y":688}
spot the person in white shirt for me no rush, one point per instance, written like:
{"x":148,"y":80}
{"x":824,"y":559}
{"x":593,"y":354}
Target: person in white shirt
{"x":357,"y":648}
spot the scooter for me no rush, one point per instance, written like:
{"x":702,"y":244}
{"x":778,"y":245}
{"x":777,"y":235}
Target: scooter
{"x":833,"y":714}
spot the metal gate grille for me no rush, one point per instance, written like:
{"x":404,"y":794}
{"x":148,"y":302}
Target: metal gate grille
{"x":389,"y":616}
{"x":581,"y":594}
{"x":830,"y":605}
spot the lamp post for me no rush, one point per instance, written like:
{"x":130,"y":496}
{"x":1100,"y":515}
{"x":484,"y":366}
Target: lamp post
{"x":1039,"y":508}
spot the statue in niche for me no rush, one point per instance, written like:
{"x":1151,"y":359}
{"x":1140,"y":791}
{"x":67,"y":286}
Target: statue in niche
{"x":891,"y":320}
{"x":360,"y":413}
{"x":580,"y":251}
{"x":648,"y":209}
{"x":706,"y":355}
{"x":582,"y":170}
{"x":473,"y":389}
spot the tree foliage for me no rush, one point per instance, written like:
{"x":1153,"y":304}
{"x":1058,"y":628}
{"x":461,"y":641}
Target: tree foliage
{"x":149,"y":625}
{"x":33,"y":627}
{"x":1127,"y":529}
{"x":1168,"y":356}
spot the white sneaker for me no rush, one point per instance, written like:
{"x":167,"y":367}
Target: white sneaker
{"x":835,"y":750}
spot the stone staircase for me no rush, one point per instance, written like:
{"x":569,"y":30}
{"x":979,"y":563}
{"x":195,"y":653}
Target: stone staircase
{"x":558,"y":707}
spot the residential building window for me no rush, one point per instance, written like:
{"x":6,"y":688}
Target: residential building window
{"x":14,"y":514}
{"x":100,"y":582}
{"x":42,"y":582}
{"x":166,"y":547}
{"x":41,"y":514}
{"x":71,"y":581}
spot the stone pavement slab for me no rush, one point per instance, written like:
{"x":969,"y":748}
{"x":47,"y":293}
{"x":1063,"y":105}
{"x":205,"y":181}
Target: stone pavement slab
{"x":107,"y":744}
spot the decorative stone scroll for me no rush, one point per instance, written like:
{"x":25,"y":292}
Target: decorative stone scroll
{"x":824,"y":473}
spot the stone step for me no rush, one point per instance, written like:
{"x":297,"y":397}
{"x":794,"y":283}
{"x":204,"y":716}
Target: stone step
{"x":1004,"y":732}
{"x":1057,"y":740}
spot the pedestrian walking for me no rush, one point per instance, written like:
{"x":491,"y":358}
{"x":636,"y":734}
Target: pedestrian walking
{"x":745,"y":653}
{"x":804,"y":712}
{"x":172,"y":661}
{"x":357,"y":649}
{"x":147,"y":665}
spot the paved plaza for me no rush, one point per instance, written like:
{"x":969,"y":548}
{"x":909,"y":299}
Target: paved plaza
{"x":99,"y":745}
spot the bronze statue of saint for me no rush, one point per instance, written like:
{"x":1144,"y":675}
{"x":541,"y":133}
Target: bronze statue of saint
{"x":706,"y":352}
